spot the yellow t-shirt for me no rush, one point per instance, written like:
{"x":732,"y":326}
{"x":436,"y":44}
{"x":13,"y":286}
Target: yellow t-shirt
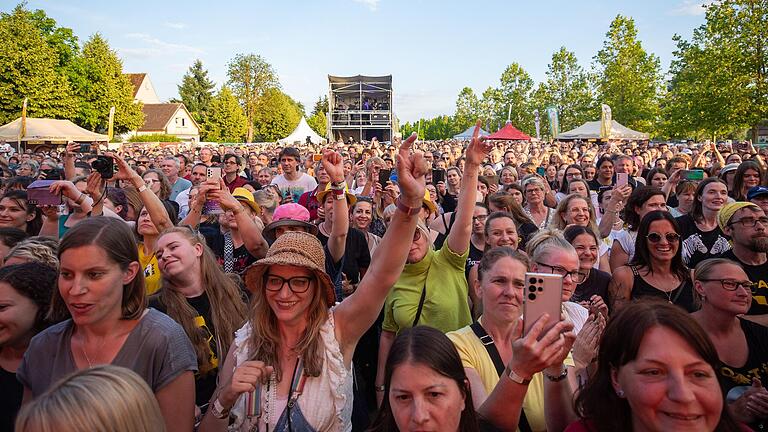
{"x":445,"y":305}
{"x":152,"y":278}
{"x":474,"y":355}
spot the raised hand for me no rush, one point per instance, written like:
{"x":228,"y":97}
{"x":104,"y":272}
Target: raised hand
{"x":531,"y":355}
{"x":334,"y":165}
{"x":223,"y":196}
{"x":478,"y":148}
{"x":245,"y":379}
{"x":411,"y":169}
{"x":124,"y":171}
{"x":588,"y":340}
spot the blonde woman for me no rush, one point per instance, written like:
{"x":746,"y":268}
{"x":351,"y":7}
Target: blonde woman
{"x":576,"y":210}
{"x":199,"y":296}
{"x":101,"y":398}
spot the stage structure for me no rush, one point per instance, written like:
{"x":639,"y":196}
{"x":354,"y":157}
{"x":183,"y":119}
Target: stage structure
{"x":360,"y":108}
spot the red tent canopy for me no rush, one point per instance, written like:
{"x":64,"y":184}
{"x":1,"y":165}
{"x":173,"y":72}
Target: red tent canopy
{"x":508,"y":132}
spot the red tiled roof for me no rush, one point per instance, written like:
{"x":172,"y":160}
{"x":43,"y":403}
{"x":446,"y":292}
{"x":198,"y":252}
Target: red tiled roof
{"x":136,"y":80}
{"x":157,"y":116}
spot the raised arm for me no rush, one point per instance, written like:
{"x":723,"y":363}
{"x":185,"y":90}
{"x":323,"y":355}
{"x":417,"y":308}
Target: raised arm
{"x":69,"y":160}
{"x":249,"y":231}
{"x":458,"y":238}
{"x":157,"y":212}
{"x":337,"y":240}
{"x":357,"y":312}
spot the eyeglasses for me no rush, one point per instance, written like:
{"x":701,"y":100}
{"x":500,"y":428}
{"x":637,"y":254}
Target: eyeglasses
{"x":732,"y":285}
{"x":749,"y":222}
{"x":417,"y":235}
{"x":656,"y":237}
{"x":575,"y":275}
{"x":480,"y":218}
{"x":297,"y":284}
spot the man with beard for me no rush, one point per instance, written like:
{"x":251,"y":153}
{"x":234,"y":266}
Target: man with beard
{"x":746,"y":224}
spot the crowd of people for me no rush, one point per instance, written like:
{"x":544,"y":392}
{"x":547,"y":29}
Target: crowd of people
{"x":383,"y":287}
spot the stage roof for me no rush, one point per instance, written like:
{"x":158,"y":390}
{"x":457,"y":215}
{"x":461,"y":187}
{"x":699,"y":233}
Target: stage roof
{"x":380,"y":81}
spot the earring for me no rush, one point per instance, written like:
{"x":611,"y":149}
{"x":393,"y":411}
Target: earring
{"x":620,"y":393}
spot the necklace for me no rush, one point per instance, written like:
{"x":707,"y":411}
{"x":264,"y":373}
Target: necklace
{"x":82,"y":349}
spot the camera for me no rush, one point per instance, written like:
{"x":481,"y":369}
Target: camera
{"x":53,"y":174}
{"x":105,"y":166}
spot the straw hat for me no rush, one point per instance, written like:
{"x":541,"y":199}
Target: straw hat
{"x":290,"y":214}
{"x":351,"y":200}
{"x":296,"y":249}
{"x":246,"y":197}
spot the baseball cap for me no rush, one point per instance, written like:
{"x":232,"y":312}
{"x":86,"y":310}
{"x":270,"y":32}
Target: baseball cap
{"x":756,"y":191}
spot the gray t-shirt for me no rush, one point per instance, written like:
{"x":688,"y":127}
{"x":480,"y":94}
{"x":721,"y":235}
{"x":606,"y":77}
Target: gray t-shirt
{"x":157,"y":349}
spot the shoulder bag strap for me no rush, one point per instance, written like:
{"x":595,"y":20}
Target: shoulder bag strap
{"x":421,"y":305}
{"x":487,"y":341}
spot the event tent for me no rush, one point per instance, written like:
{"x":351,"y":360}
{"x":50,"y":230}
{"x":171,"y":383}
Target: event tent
{"x":301,"y":133}
{"x":467,"y":134}
{"x":41,"y":130}
{"x":509,"y":132}
{"x":591,"y":130}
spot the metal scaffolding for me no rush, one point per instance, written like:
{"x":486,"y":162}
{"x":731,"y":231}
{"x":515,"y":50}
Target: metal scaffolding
{"x":360,"y":107}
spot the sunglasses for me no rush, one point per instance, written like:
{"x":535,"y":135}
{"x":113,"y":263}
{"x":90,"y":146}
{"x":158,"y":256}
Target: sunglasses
{"x":656,"y":237}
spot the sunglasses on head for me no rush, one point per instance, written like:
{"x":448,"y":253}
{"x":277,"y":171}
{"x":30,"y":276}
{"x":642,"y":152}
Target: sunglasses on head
{"x":656,"y":237}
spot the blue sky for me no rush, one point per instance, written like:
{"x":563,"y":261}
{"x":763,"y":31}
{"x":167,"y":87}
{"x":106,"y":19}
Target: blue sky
{"x":432,"y":48}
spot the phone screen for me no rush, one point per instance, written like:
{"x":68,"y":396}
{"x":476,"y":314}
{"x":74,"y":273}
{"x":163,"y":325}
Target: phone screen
{"x":694,"y":175}
{"x":384,"y":175}
{"x":541,"y":171}
{"x":85,"y":148}
{"x":438,"y":175}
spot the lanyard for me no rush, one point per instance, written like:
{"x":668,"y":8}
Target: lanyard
{"x":253,"y":403}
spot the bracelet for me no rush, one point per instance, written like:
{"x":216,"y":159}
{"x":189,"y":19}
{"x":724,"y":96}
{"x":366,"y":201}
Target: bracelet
{"x":218,"y":410}
{"x":517,"y":378}
{"x":557,"y":378}
{"x":410,"y":211}
{"x":80,"y":199}
{"x":338,"y":185}
{"x":143,"y":188}
{"x":379,"y":388}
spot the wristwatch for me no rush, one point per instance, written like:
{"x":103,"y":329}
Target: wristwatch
{"x":517,"y":378}
{"x":557,"y":378}
{"x":410,"y":211}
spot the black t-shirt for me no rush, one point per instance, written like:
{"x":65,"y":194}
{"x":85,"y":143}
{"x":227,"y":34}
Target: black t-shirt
{"x":734,"y":380}
{"x":757,"y":274}
{"x":596,"y":284}
{"x":356,"y":254}
{"x":10,"y":399}
{"x":242,"y":258}
{"x":474,"y":257}
{"x":205,"y":384}
{"x":699,"y":245}
{"x":524,"y":233}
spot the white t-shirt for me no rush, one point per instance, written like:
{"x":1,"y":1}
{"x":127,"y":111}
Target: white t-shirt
{"x":295,"y":188}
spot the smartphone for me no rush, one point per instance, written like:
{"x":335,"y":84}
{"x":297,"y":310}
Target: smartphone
{"x":384,"y":175}
{"x":213,"y":172}
{"x":694,"y":175}
{"x":622,"y":179}
{"x":438,"y":175}
{"x":492,"y":180}
{"x":541,"y":171}
{"x":38,"y":193}
{"x":317,"y":157}
{"x":543,"y":294}
{"x":85,"y":147}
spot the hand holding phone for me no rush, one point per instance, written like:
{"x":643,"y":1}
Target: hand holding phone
{"x":622,"y":179}
{"x":542,"y":295}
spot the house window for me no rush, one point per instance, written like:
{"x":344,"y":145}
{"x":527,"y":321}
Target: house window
{"x":182,"y":122}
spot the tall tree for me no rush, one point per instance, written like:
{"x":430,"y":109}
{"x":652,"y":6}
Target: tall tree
{"x":719,"y":79}
{"x":225,"y":120}
{"x":196,"y":91}
{"x":515,"y":90}
{"x":318,"y":120}
{"x":251,"y":77}
{"x":568,"y":87}
{"x":99,"y":83}
{"x":30,"y":68}
{"x":467,"y":109}
{"x":628,"y":78}
{"x":276,"y":115}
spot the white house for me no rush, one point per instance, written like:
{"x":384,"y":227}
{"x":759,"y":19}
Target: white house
{"x":162,"y":118}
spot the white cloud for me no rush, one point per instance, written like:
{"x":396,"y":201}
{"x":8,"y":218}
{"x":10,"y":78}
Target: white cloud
{"x":692,"y":7}
{"x":155,"y":46}
{"x":372,"y":4}
{"x":175,"y":25}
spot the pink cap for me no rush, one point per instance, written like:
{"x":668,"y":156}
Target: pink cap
{"x":291,"y":211}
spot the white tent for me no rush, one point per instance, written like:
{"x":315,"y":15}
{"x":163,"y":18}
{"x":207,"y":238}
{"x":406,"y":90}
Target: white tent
{"x":44,"y":129}
{"x":591,"y":130}
{"x":300,"y":134}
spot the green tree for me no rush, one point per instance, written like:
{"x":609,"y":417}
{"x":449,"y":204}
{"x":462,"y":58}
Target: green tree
{"x":467,"y":109}
{"x":515,"y":90}
{"x":568,"y":87}
{"x":225,"y":121}
{"x":61,"y":39}
{"x":30,"y":68}
{"x":98,"y":82}
{"x":628,"y":78}
{"x":276,"y":115}
{"x":251,"y":77}
{"x":196,"y":91}
{"x":719,"y":79}
{"x":318,"y":120}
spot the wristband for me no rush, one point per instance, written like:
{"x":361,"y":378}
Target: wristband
{"x":557,"y":378}
{"x":143,"y":188}
{"x":379,"y":388}
{"x":218,"y":410}
{"x":80,"y":199}
{"x":338,"y":185}
{"x":517,"y":378}
{"x":410,"y":211}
